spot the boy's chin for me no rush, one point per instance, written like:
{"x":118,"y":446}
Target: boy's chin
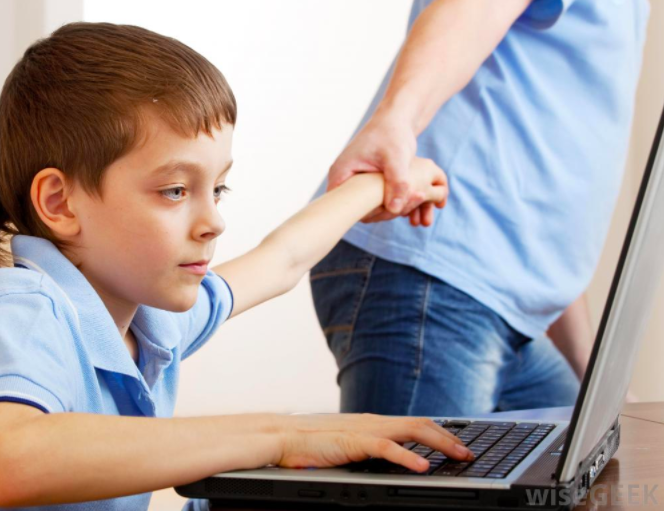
{"x":181,"y":304}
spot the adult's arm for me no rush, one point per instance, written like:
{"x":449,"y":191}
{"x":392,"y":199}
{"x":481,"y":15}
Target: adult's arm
{"x":573,"y":335}
{"x":447,"y":44}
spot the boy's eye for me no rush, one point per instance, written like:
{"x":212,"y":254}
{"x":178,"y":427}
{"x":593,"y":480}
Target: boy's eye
{"x":177,"y":193}
{"x":174,"y":194}
{"x":220,"y":190}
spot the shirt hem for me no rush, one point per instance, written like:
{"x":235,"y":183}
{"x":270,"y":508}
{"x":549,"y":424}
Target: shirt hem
{"x":380,"y":247}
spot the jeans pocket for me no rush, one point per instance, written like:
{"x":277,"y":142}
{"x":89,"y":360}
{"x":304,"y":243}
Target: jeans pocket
{"x":338,"y":283}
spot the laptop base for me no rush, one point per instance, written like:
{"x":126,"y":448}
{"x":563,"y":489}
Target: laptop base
{"x":535,"y":489}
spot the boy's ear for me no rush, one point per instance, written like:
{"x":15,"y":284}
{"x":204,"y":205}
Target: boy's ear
{"x":50,"y":194}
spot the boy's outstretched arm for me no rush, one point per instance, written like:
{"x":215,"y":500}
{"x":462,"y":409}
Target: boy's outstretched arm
{"x":287,"y":253}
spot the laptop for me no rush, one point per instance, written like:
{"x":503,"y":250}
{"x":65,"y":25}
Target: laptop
{"x":519,"y":464}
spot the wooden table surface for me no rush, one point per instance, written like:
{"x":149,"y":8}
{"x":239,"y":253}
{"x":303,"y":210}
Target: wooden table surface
{"x":638,"y":465}
{"x":639,"y":462}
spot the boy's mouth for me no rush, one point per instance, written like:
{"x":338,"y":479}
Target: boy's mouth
{"x":198,"y":268}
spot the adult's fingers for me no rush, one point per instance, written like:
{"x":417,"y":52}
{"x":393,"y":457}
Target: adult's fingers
{"x":337,"y":176}
{"x":396,"y":185}
{"x":372,"y":214}
{"x":382,"y":216}
{"x":345,"y":166}
{"x":396,"y":196}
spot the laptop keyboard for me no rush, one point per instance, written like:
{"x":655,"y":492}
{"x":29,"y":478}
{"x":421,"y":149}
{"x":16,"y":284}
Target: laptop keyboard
{"x":498,"y":448}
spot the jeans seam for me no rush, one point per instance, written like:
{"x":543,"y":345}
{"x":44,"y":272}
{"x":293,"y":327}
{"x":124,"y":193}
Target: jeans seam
{"x":349,"y":328}
{"x":420,"y":343}
{"x":423,"y":319}
{"x":358,"y":305}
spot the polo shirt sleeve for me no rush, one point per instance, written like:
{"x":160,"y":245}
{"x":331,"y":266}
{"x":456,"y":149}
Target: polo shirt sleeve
{"x":35,"y":353}
{"x":213,"y":306}
{"x":545,"y":13}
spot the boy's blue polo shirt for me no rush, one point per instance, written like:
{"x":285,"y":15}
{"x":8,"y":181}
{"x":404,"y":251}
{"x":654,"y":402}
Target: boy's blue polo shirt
{"x":534,"y":148}
{"x":60,"y":350}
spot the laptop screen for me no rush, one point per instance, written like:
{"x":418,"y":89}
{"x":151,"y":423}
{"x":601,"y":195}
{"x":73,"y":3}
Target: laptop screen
{"x":624,"y":319}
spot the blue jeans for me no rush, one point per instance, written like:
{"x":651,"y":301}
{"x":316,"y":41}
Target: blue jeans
{"x":407,"y":343}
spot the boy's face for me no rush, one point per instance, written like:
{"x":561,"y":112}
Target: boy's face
{"x":159,"y":211}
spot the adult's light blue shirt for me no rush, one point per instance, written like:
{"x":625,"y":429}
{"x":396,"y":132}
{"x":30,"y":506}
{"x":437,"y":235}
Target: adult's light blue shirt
{"x":60,"y":350}
{"x":534,"y":148}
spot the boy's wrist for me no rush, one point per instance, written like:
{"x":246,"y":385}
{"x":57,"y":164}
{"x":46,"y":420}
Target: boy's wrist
{"x":371,"y":185}
{"x":259,"y":437}
{"x":277,"y":427}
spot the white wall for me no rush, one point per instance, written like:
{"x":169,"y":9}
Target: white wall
{"x":24,"y":21}
{"x":303,"y":73}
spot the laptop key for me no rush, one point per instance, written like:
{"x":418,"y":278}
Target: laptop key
{"x":446,"y":471}
{"x":495,"y":423}
{"x":526,"y":425}
{"x":422,"y":450}
{"x":457,"y":424}
{"x":373,"y":466}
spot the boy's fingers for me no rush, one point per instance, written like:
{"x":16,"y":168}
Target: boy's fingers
{"x":439,"y":193}
{"x":415,"y":217}
{"x":439,"y":175}
{"x":441,"y":430}
{"x":426,"y":214}
{"x":434,"y":436}
{"x":391,"y":451}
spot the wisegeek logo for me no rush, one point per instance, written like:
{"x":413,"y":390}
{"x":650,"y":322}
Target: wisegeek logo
{"x":599,"y":495}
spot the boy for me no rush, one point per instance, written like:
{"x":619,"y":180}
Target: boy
{"x":115,"y":144}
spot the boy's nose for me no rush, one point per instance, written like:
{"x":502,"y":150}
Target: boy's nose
{"x":209,"y":225}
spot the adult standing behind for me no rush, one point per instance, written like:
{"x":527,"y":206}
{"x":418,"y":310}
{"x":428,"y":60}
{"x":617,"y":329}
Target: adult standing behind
{"x":527,"y":106}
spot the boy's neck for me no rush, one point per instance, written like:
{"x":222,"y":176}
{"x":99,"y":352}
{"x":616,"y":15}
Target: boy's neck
{"x":132,"y":345}
{"x":120,"y":310}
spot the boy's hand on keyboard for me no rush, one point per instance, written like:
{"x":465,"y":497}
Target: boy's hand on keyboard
{"x":330,"y":440}
{"x":427,"y":186}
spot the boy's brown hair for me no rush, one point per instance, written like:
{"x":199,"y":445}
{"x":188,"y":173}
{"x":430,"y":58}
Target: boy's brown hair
{"x":74,"y":102}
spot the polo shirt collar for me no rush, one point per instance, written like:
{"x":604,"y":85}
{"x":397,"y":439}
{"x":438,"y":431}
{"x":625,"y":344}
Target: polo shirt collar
{"x":97,"y":328}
